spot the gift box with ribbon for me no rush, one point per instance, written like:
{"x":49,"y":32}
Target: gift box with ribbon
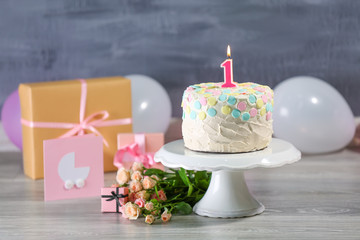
{"x":66,"y":108}
{"x":113,"y":198}
{"x":138,"y":147}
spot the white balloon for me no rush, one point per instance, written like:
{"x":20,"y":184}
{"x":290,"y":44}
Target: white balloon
{"x":151,"y":106}
{"x":312,"y":115}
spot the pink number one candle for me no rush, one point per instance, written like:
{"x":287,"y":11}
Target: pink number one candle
{"x":228,"y":70}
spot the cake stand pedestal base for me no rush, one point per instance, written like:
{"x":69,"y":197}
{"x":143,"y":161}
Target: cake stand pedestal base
{"x":228,"y":196}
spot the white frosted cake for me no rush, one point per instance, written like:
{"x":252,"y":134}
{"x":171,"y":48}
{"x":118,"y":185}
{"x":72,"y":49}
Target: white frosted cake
{"x":230,"y":120}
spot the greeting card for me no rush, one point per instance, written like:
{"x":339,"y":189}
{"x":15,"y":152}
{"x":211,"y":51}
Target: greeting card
{"x":73,"y":167}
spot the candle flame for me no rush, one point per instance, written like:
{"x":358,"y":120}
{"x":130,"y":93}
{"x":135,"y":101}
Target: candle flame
{"x":228,"y":51}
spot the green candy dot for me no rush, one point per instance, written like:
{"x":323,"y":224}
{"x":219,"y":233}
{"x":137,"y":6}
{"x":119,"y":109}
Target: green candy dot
{"x":235,"y":113}
{"x":211,"y":112}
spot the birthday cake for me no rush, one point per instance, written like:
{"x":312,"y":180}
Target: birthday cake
{"x":230,"y":120}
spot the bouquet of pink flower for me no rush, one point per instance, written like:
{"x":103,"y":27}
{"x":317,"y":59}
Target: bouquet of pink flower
{"x":157,"y":194}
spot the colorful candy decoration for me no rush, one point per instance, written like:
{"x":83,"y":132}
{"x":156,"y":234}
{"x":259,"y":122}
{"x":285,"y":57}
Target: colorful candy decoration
{"x":243,"y":102}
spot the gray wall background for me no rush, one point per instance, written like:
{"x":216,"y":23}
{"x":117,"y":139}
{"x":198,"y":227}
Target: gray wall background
{"x":181,"y":42}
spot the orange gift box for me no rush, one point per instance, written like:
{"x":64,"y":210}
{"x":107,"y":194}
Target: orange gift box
{"x":106,"y":102}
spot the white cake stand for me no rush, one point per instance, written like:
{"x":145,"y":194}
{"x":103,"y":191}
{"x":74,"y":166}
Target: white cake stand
{"x":228,"y":195}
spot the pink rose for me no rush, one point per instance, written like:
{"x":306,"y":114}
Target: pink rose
{"x":135,"y":186}
{"x":140,"y":202}
{"x":122,"y":176}
{"x":136,"y":176}
{"x":142,"y":194}
{"x":149,"y":219}
{"x":165,"y":216}
{"x":149,"y":206}
{"x":132,"y":197}
{"x":131,"y":211}
{"x":137,"y":166}
{"x":114,"y":185}
{"x":148,"y":183}
{"x":156,"y":212}
{"x":162,"y":196}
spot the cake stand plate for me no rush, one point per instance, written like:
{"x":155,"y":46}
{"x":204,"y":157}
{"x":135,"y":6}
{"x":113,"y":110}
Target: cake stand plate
{"x":228,"y":195}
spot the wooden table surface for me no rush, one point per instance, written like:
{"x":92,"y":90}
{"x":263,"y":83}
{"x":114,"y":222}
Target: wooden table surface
{"x":317,"y":197}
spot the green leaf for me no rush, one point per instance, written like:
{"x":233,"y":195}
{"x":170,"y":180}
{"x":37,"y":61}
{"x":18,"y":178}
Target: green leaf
{"x":156,"y":191}
{"x":154,"y":201}
{"x":203,"y":184}
{"x":200,"y":175}
{"x":183,"y":208}
{"x":186,"y":180}
{"x":184,"y":177}
{"x":155,"y":171}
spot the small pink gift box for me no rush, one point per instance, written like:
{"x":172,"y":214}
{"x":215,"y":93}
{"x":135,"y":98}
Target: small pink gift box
{"x":138,"y":147}
{"x":152,"y":141}
{"x":113,"y":198}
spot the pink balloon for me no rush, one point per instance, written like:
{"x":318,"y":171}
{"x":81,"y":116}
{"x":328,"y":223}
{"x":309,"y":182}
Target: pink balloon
{"x":10,"y":117}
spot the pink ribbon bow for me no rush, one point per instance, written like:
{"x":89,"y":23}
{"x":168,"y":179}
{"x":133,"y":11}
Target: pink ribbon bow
{"x":90,"y":123}
{"x":136,"y":152}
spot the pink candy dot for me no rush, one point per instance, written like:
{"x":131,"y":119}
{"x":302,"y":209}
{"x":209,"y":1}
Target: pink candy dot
{"x":203,"y":101}
{"x":189,"y":98}
{"x":269,"y":95}
{"x":217,"y":93}
{"x":190,"y":89}
{"x":268,"y":116}
{"x":241,"y":106}
{"x":253,"y":112}
{"x":264,"y":98}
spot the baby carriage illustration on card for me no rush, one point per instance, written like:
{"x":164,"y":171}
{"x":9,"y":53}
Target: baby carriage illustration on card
{"x":71,"y":175}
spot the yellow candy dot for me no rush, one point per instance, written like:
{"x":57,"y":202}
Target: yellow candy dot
{"x":263,"y":111}
{"x":259,"y":103}
{"x":182,"y":103}
{"x":187,"y":110}
{"x":272,"y":102}
{"x":202,"y":115}
{"x":211,"y":101}
{"x":226,"y":110}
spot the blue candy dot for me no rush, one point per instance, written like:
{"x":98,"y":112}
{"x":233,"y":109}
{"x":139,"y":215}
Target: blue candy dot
{"x":226,"y":91}
{"x":231,"y":100}
{"x":183,"y":116}
{"x":245,"y":116}
{"x":197,"y":105}
{"x":198,"y":89}
{"x":194,"y":86}
{"x":193,"y":115}
{"x":211,"y":112}
{"x":252,"y":99}
{"x":235,"y":113}
{"x":269,"y":107}
{"x":222,"y":97}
